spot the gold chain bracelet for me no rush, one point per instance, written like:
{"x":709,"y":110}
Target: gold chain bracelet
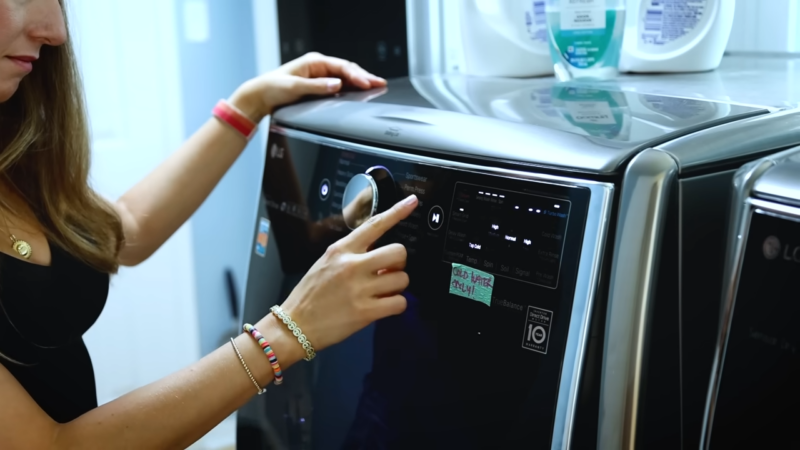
{"x":247,"y":369}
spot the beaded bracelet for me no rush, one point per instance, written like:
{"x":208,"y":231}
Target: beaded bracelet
{"x":273,"y":360}
{"x":301,"y":338}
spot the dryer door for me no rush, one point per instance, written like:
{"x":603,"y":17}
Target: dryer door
{"x":759,"y":391}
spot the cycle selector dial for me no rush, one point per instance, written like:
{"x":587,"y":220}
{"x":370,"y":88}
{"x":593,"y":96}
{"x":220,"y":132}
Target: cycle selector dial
{"x":366,"y":195}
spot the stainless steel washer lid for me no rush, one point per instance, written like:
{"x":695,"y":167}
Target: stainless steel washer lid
{"x":589,"y":127}
{"x":781,"y":183}
{"x":535,"y":122}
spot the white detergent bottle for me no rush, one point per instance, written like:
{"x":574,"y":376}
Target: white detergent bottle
{"x":675,"y":35}
{"x":504,"y":38}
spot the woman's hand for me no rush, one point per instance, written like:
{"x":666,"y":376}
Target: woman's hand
{"x":311,"y":74}
{"x":351,"y":287}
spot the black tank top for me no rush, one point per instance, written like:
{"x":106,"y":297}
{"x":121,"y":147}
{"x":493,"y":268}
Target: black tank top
{"x":44,"y":312}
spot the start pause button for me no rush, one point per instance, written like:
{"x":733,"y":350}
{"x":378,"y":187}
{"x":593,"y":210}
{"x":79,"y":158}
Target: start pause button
{"x":536,"y":335}
{"x":435,"y":218}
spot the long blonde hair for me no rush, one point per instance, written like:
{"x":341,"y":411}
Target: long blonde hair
{"x":44,"y":157}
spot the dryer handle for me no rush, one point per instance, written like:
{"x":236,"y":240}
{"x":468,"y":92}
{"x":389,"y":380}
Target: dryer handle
{"x":643,"y":205}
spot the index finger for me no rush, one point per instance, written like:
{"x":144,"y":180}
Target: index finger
{"x":365,"y":235}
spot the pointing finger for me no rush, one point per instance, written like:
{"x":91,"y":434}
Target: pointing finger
{"x":378,"y":225}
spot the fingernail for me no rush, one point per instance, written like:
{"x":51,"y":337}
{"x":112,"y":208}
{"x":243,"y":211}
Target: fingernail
{"x":410,"y":199}
{"x":333,"y":84}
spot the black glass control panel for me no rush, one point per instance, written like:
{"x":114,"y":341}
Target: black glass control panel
{"x":759,"y":390}
{"x":510,"y":234}
{"x":455,"y":370}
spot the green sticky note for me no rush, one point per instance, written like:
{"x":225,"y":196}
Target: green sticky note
{"x":471,"y":283}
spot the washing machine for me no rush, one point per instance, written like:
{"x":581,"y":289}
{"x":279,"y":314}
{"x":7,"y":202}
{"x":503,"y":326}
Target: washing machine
{"x":593,"y":217}
{"x":753,"y":395}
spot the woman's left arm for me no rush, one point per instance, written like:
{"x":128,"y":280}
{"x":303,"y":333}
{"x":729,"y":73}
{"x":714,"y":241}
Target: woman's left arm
{"x":157,"y":206}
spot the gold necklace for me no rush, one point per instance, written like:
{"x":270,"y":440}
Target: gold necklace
{"x":22,"y":248}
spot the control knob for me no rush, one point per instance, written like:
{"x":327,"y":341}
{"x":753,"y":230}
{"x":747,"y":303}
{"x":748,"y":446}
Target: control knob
{"x":368,"y":194}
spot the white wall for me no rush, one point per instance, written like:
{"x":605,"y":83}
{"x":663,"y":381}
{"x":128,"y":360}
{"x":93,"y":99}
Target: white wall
{"x":766,"y":26}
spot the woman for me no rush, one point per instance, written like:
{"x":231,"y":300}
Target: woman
{"x":63,"y":241}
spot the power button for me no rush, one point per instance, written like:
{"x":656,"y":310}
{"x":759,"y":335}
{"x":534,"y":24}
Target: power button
{"x":324,"y":189}
{"x":435,"y":218}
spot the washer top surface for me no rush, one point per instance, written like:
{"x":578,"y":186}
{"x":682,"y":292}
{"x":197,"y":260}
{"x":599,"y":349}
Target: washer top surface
{"x":582,"y":126}
{"x":769,"y":80}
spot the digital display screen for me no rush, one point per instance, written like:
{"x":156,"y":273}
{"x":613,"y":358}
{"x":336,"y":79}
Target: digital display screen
{"x":507,"y":233}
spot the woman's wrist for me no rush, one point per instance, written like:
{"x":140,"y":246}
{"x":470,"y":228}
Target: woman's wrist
{"x":283,"y":343}
{"x":249,"y":103}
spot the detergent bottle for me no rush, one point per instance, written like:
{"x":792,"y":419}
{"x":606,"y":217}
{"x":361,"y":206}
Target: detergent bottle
{"x":676,"y":35}
{"x":504,"y":38}
{"x":585,"y":37}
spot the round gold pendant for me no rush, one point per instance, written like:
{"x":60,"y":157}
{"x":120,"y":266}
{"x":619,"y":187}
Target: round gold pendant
{"x":23,"y":248}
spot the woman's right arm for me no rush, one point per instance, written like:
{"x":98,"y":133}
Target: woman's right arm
{"x":347,"y":289}
{"x":168,"y":414}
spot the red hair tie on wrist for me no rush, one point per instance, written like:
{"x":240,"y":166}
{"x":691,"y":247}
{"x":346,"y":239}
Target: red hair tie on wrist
{"x":234,"y":118}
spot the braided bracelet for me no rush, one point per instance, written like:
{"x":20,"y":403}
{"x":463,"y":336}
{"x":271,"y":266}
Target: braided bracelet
{"x":301,"y":338}
{"x":273,"y":360}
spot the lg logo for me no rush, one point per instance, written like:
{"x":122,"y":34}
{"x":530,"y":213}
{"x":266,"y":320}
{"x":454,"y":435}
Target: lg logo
{"x":276,"y":152}
{"x":393,"y":132}
{"x":773,"y":249}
